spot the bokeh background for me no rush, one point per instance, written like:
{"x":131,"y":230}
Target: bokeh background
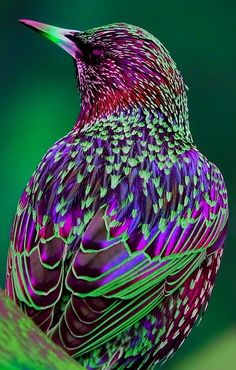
{"x":39,"y":104}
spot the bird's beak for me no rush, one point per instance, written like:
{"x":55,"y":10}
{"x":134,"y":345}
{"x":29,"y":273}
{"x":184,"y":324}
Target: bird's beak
{"x":60,"y":36}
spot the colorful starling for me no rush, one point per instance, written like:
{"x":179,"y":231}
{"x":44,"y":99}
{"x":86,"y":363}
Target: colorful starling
{"x":119,"y":232}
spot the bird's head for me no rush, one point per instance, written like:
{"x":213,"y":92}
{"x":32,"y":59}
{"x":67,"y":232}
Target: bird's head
{"x":120,"y":67}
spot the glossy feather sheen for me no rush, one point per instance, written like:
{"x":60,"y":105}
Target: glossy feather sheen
{"x":118,"y":237}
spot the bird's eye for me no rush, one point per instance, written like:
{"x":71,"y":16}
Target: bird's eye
{"x":97,"y":54}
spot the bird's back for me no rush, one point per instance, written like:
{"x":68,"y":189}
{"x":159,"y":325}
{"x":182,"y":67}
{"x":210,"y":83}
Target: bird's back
{"x":117,"y":240}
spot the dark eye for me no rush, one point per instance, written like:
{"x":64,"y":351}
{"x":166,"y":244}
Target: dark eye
{"x":87,"y":52}
{"x":97,"y":54}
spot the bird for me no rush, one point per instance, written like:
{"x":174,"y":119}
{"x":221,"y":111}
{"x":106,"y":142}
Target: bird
{"x":119,"y":233}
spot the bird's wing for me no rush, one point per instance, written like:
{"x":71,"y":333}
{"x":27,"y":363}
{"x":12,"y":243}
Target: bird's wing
{"x":35,"y":270}
{"x":139,"y":249}
{"x":136,"y":247}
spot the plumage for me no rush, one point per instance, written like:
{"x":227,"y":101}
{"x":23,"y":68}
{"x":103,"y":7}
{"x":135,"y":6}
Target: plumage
{"x":119,"y":232}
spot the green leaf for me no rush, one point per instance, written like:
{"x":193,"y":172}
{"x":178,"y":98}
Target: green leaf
{"x":23,"y":346}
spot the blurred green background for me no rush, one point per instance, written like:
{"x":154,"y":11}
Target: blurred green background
{"x":39,"y":104}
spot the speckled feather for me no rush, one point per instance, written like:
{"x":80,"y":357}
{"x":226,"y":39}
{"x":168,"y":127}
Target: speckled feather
{"x":118,"y":235}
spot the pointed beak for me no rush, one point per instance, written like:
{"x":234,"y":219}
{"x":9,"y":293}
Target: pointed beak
{"x":60,"y":36}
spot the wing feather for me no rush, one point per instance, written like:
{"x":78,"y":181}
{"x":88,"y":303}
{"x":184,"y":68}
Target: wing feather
{"x":114,"y":255}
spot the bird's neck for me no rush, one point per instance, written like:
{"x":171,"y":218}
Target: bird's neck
{"x":171,"y":107}
{"x":142,"y":120}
